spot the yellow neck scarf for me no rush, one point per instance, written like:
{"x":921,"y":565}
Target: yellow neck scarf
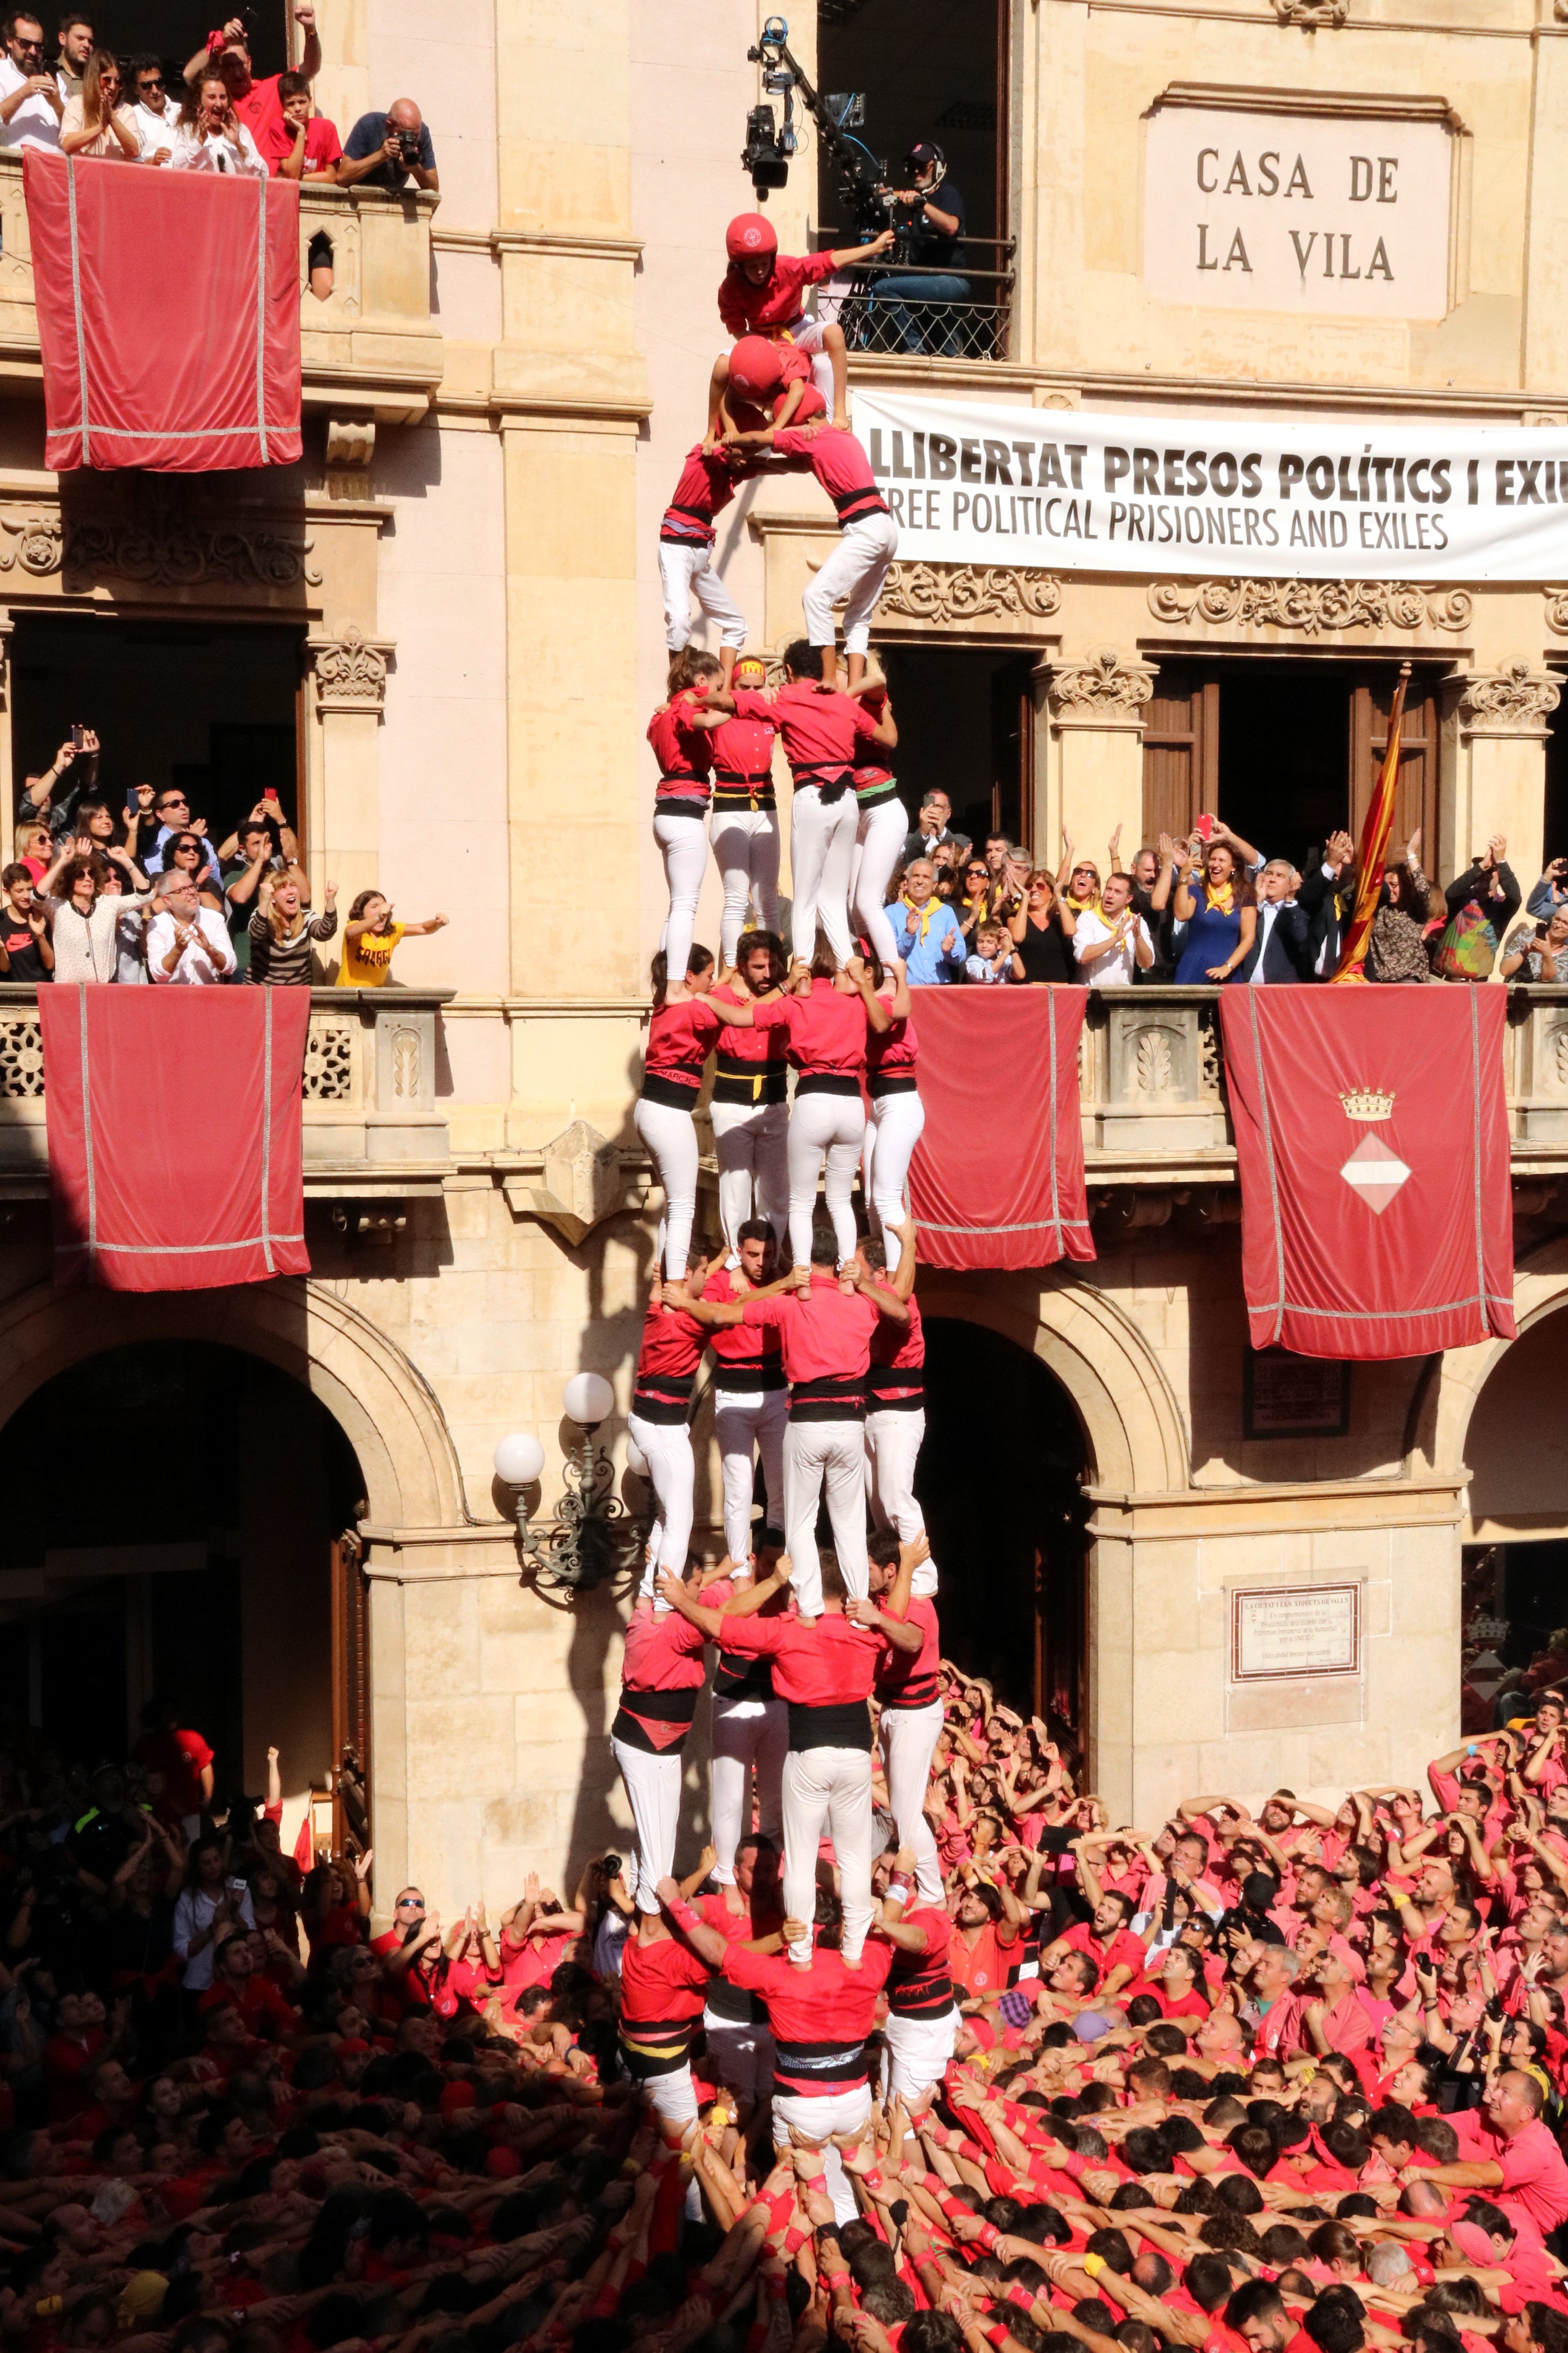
{"x":921,"y":915}
{"x":1221,"y":895}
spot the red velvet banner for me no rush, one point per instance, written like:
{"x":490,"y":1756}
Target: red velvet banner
{"x":168,"y":315}
{"x":1372,"y":1143}
{"x":159,"y":1182}
{"x":997,"y":1177}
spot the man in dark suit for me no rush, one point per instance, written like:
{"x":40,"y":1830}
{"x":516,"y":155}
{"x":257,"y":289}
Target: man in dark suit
{"x":1328,"y":893}
{"x":1281,"y":945}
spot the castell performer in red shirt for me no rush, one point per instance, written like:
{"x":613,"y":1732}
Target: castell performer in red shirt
{"x":898,"y":1115}
{"x":681,"y":798}
{"x":825,"y":1325}
{"x":663,"y":1987}
{"x":749,"y":1107}
{"x":768,"y":381}
{"x":826,"y":1018}
{"x":708,"y":483}
{"x":824,"y":1669}
{"x":683,"y":1024}
{"x":750,"y":1727}
{"x":672,"y":1345}
{"x":662,"y":1672}
{"x":749,"y":1397}
{"x":909,"y":1692}
{"x":745,"y":823}
{"x":762,"y":293}
{"x":868,"y":537}
{"x":881,"y":828}
{"x":823,"y":734}
{"x":921,"y":2024}
{"x":895,"y":1404}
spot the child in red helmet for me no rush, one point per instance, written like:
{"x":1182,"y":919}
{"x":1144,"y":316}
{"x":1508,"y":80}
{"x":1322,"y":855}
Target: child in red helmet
{"x":768,"y":376}
{"x":762,"y":293}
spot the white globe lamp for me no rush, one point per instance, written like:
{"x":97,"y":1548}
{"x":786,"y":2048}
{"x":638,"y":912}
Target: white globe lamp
{"x":586,"y":1399}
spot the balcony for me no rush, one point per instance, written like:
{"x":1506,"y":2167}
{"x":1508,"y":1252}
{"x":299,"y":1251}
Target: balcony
{"x":878,"y":325}
{"x":370,"y":348}
{"x":373,"y":1126}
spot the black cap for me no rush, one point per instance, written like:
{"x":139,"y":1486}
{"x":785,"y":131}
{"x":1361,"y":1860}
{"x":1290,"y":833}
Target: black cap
{"x":924,"y":151}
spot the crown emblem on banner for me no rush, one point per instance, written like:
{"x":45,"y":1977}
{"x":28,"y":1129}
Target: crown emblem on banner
{"x":1367,"y":1103}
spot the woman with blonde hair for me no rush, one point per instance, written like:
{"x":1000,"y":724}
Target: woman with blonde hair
{"x":283,"y":935}
{"x":95,"y":122}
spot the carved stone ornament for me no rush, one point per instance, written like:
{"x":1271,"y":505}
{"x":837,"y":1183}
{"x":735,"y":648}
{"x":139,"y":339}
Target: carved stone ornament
{"x":1311,"y":14}
{"x":1311,"y":606}
{"x":968,"y":592}
{"x":34,"y":541}
{"x":350,"y":671}
{"x":1511,"y":701}
{"x":1557,"y":598}
{"x":1103,"y":685}
{"x":162,"y":543}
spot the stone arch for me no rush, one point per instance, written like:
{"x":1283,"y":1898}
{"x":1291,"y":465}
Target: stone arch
{"x":1440,"y":1418}
{"x":382,"y":1403}
{"x":1136,"y":1436}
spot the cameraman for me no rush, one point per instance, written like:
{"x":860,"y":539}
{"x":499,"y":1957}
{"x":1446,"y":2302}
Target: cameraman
{"x":929,"y":224}
{"x":383,"y":149}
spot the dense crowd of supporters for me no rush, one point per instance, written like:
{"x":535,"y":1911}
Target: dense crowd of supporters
{"x":143,"y":894}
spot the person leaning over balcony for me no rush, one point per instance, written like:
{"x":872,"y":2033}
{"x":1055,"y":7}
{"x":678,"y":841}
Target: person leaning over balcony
{"x":256,"y":104}
{"x":31,"y":105}
{"x":95,"y":122}
{"x":283,"y":935}
{"x":316,"y":149}
{"x":370,"y":937}
{"x":383,"y":151}
{"x":82,"y":920}
{"x":209,"y":135}
{"x":24,"y":928}
{"x":187,"y":943}
{"x":1539,"y":951}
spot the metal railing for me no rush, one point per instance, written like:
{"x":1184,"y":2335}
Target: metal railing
{"x":877,"y":318}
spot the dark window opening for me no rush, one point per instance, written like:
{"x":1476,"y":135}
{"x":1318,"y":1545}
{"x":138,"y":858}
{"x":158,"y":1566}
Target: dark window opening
{"x":175,"y":29}
{"x":1514,"y":1616}
{"x":965,"y":724}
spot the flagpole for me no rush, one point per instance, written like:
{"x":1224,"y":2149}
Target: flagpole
{"x":1372,"y":850}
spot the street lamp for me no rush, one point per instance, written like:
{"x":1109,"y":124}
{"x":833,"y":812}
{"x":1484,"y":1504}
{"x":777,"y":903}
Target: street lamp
{"x":594,"y":1538}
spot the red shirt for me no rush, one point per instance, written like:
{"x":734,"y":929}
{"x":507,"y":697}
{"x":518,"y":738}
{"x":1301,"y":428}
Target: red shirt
{"x":761,"y":1046}
{"x":840,"y":465}
{"x":663,"y":1984}
{"x":775,"y":305}
{"x":831,"y":1663}
{"x":681,"y":1037}
{"x":672,"y":1345}
{"x":820,"y":727}
{"x":920,"y":1985}
{"x":871,"y":775}
{"x":749,"y":1353}
{"x":685,"y":761}
{"x":821,"y":2016}
{"x":1534,"y":2176}
{"x":261,"y":112}
{"x":258,"y":1999}
{"x":322,"y":145}
{"x":827,"y":1031}
{"x":66,"y":2058}
{"x":743,"y":759}
{"x":825,"y":1335}
{"x":663,"y":1652}
{"x":181,"y":1758}
{"x":706,"y":487}
{"x":892,"y":1052}
{"x":911,"y":1678}
{"x":1122,"y":1950}
{"x":897,"y":1363}
{"x":981,"y":1969}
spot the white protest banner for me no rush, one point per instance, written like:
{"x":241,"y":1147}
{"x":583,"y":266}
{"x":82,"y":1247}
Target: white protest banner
{"x":1086,"y":490}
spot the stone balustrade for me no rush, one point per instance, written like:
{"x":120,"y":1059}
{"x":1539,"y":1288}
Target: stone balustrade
{"x":371,"y":351}
{"x":370,"y":1089}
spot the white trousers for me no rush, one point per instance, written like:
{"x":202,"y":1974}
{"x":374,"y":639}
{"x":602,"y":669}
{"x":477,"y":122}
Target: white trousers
{"x":741,"y":2056}
{"x":687,"y":571}
{"x":881,"y":833}
{"x":892,"y":1132}
{"x":909,"y":1736}
{"x":829,"y":1787}
{"x":822,"y":857}
{"x":653,"y":1792}
{"x":818,"y":2119}
{"x":672,"y":2095}
{"x":672,"y":1472}
{"x":744,"y":1420}
{"x":749,"y":1735}
{"x":751,"y":1146}
{"x":746,"y":849}
{"x":828,"y":1455}
{"x":683,"y":846}
{"x":893,"y":1442}
{"x":919,"y":2049}
{"x":830,"y":1127}
{"x":670,"y":1136}
{"x":853,"y":575}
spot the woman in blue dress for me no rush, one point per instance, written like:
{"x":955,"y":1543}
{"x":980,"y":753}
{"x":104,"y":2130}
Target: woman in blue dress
{"x":1216,"y":906}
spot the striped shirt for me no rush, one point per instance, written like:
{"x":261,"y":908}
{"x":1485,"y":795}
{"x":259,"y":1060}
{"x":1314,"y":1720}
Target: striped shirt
{"x":283,"y":964}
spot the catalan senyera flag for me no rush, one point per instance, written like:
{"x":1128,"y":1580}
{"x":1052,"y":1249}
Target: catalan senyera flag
{"x":1376,"y":827}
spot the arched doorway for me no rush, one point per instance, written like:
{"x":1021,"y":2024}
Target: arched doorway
{"x":180,"y":1539}
{"x":1001,"y":1483}
{"x":1515,"y":1588}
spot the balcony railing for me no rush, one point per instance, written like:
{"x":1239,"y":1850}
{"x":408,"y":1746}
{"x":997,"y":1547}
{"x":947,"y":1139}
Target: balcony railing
{"x":370,"y":345}
{"x":879,"y":318}
{"x":371,"y":1108}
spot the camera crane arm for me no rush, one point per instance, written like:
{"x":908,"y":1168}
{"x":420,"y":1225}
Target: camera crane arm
{"x":861,"y":177}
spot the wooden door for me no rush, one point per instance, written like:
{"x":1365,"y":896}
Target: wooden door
{"x":1012,"y":747}
{"x":351,"y":1696}
{"x":1181,"y":751}
{"x":1371,"y":698}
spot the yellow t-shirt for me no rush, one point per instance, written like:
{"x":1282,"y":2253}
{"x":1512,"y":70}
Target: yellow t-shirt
{"x":367,"y":960}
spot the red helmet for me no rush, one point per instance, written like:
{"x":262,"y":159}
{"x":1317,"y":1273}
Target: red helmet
{"x":749,"y":234}
{"x":756,"y":367}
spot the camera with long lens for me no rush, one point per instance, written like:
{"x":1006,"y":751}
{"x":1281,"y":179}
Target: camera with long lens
{"x":861,"y":177}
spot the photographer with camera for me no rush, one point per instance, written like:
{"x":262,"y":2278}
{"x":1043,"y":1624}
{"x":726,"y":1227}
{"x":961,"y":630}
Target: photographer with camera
{"x":928,"y":237}
{"x":383,"y":151}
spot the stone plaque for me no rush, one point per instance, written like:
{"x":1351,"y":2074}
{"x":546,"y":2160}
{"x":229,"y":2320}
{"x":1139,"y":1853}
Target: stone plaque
{"x":1281,"y":1631}
{"x":1307,"y":213}
{"x":1287,"y":1396}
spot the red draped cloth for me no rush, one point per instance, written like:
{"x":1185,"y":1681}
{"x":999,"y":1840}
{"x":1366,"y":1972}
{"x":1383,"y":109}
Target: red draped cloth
{"x":997,"y":1177}
{"x":1372,"y":1143}
{"x":160,"y":1182}
{"x":168,"y":314}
